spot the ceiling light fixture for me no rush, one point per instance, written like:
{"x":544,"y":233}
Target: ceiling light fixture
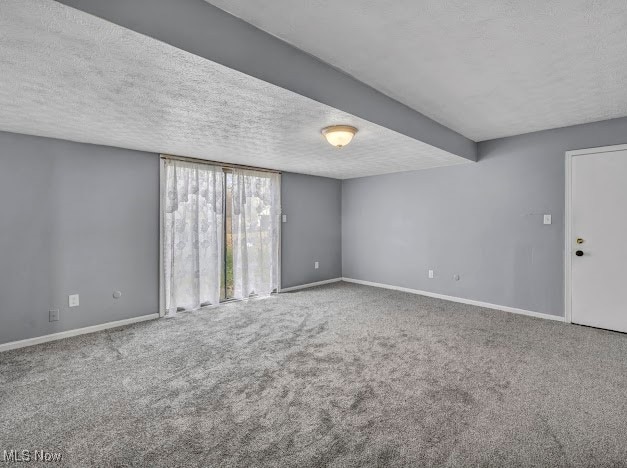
{"x":339,"y":135}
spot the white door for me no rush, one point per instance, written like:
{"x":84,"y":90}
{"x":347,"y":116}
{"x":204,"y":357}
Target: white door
{"x":598,"y":247}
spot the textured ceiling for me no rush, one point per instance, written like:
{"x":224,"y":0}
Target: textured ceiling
{"x":70,"y":75}
{"x":485,"y":68}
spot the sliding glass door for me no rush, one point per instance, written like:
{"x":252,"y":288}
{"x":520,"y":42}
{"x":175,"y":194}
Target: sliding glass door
{"x":220,"y":234}
{"x":254,"y":218}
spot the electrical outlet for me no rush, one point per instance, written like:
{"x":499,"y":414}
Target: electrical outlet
{"x":431,"y":275}
{"x":316,"y":265}
{"x":73,"y":300}
{"x":284,"y":218}
{"x":547,"y":219}
{"x":53,"y":315}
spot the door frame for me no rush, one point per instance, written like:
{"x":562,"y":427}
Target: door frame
{"x":161,"y":265}
{"x":568,"y":213}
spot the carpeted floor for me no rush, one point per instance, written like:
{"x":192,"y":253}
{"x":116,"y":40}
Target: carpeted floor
{"x":340,"y":375}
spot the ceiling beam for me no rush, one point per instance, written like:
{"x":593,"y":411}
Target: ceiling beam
{"x":207,"y":31}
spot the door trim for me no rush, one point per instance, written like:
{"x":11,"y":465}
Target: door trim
{"x":161,"y":266}
{"x":568,"y":229}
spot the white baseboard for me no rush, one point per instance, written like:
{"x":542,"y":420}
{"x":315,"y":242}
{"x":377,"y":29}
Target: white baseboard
{"x":310,"y":285}
{"x":143,"y":318}
{"x":461,"y":300}
{"x":75,"y":332}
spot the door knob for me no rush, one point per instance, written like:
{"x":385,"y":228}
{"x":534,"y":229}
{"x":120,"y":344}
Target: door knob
{"x":579,"y":253}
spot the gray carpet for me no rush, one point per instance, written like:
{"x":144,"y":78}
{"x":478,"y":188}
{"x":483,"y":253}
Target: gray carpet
{"x":341,"y":375}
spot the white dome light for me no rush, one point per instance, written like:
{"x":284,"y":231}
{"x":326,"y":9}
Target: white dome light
{"x":339,"y":135}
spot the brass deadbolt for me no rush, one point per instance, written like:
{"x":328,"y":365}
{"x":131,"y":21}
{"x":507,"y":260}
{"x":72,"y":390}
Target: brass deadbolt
{"x":579,"y":240}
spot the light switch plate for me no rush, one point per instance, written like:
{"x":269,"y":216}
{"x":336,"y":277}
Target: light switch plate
{"x":284,"y":218}
{"x":547,"y":219}
{"x":73,"y":300}
{"x":316,"y":265}
{"x":431,"y":274}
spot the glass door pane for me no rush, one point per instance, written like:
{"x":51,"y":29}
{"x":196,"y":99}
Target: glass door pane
{"x":228,"y":237}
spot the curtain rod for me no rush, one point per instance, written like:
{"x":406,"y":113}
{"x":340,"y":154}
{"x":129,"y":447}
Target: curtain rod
{"x":218,"y":163}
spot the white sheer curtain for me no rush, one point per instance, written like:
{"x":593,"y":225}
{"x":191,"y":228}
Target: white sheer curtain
{"x":256,"y":207}
{"x":193,"y":233}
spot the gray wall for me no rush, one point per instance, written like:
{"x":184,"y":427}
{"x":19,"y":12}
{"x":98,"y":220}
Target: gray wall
{"x":79,"y":218}
{"x":312,"y":231}
{"x":209,"y":32}
{"x":482,"y":221}
{"x":75,"y":218}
